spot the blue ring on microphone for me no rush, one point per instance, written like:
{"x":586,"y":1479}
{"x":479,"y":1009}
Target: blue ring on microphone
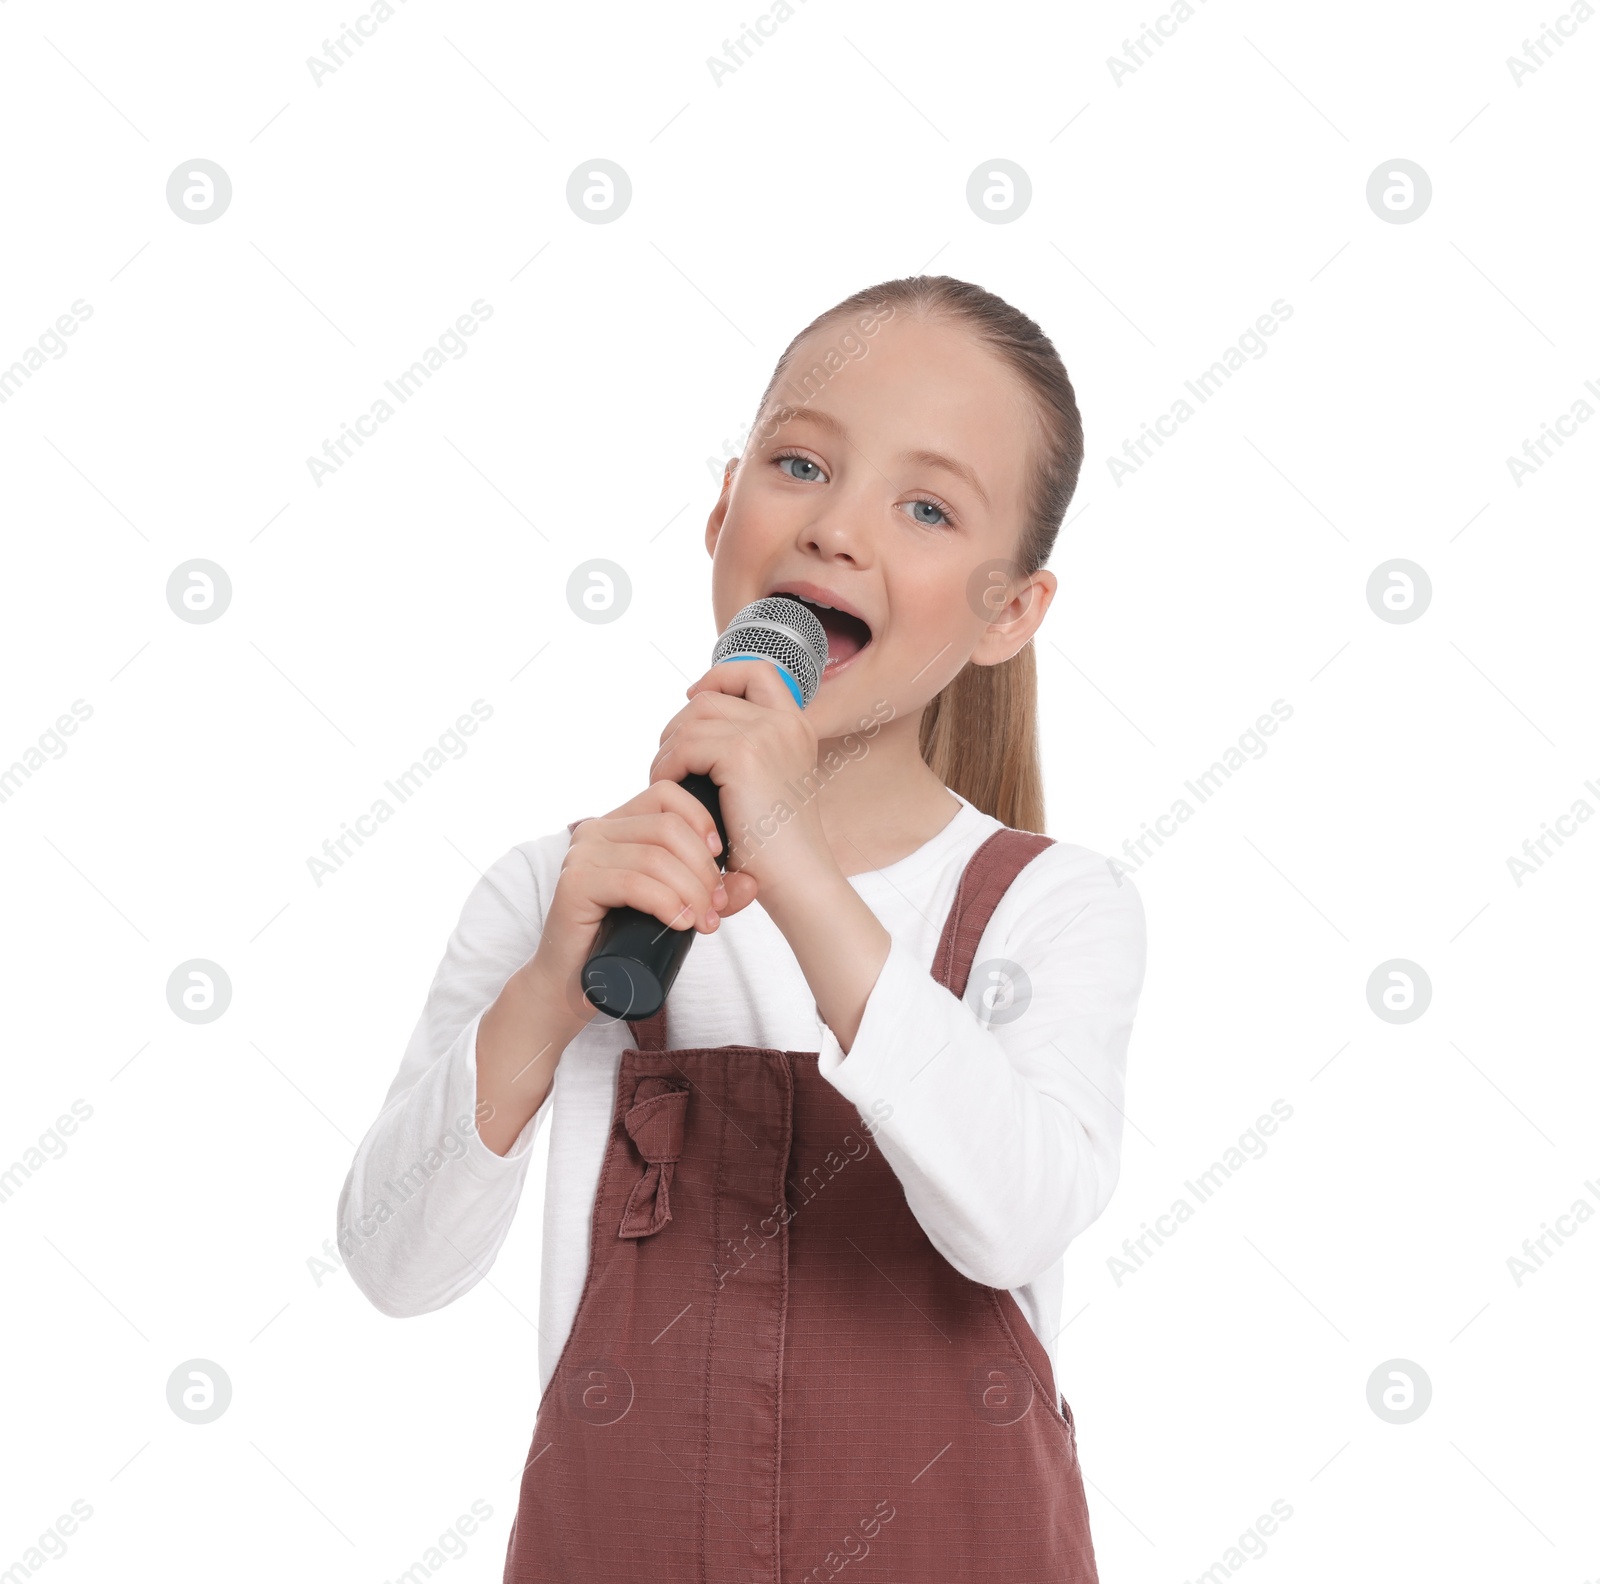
{"x":783,"y":671}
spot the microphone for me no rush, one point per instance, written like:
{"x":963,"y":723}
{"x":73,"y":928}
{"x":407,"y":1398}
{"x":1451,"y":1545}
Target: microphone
{"x":636,"y":957}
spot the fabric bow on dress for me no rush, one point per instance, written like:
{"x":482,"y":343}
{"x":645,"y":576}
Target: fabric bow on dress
{"x":655,"y":1124}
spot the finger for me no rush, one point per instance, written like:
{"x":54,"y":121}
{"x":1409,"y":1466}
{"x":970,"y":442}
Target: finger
{"x":741,"y":889}
{"x":667,"y":828}
{"x":757,"y":680}
{"x":665,"y":794}
{"x":701,"y":750}
{"x":609,"y":888}
{"x":693,"y":895}
{"x":719,"y":706}
{"x":670,"y":831}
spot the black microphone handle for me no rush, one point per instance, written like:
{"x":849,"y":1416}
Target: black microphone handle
{"x":636,"y":957}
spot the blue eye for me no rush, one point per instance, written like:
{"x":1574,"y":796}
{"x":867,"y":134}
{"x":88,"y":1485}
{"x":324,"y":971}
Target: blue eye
{"x":805,"y":461}
{"x":933,"y":506}
{"x":940,"y":513}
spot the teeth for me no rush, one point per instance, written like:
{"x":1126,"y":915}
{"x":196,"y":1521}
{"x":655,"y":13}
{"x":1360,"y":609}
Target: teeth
{"x":817,"y":604}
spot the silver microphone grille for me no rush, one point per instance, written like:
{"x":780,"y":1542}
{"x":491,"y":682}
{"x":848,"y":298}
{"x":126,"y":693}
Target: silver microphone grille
{"x":783,"y":630}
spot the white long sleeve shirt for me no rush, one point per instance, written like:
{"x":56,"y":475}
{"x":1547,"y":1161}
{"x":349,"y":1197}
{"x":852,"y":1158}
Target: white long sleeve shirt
{"x":1004,"y":1130}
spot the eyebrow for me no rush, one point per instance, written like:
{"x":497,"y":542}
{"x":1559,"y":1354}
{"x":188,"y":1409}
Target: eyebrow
{"x":924,"y":458}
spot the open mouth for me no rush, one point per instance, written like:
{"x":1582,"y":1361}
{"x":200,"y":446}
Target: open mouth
{"x":847,"y":635}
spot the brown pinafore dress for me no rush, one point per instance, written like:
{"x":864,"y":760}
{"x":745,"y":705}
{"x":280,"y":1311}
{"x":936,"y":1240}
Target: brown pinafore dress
{"x":772,"y":1374}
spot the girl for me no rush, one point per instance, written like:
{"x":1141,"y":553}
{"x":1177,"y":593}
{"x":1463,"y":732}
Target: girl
{"x":802,"y":1263}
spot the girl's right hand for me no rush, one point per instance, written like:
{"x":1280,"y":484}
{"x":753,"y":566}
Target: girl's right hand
{"x":652,"y":854}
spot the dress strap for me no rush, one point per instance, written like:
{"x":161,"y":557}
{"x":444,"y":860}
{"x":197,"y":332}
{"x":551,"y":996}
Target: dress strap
{"x":988,"y":874}
{"x":649,"y":1034}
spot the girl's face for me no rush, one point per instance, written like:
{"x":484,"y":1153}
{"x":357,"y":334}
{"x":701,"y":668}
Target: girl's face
{"x":888,"y":484}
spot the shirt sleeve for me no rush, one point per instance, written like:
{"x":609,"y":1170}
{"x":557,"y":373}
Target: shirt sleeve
{"x":1001,"y":1113}
{"x":427,"y":1204}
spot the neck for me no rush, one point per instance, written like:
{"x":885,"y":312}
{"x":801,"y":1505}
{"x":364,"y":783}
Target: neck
{"x":878,"y":800}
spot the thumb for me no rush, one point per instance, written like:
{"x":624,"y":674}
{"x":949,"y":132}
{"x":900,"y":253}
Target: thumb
{"x":741,"y":889}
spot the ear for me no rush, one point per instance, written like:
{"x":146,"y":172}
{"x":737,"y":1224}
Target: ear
{"x":720,"y":510}
{"x":1017,"y":620}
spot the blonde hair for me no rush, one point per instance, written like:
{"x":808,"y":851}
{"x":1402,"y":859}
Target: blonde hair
{"x":980,"y":733}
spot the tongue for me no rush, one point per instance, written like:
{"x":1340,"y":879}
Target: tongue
{"x":844,"y":634}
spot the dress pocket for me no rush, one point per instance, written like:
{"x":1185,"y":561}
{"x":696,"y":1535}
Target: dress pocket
{"x":1013,"y":1325}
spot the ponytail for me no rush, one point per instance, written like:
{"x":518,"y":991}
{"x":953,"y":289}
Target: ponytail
{"x":980,"y":737}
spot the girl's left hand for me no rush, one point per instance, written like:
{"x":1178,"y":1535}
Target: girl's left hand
{"x":743,"y":728}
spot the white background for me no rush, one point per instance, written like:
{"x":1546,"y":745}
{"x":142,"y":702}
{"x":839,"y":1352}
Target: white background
{"x":368,"y":612}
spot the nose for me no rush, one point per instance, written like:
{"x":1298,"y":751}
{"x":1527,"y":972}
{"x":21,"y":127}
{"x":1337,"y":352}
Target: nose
{"x":839,"y":531}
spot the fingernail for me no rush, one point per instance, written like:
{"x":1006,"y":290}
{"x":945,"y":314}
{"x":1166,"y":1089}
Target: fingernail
{"x":712,"y":842}
{"x":711,"y":919}
{"x":720,"y":897}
